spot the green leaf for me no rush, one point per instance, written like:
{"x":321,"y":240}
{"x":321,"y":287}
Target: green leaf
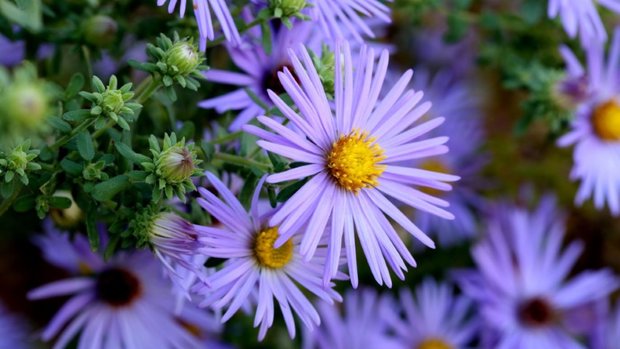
{"x":59,"y":124}
{"x":289,"y":191}
{"x":85,"y":145}
{"x":75,"y":85}
{"x":130,"y":155}
{"x":105,"y":191}
{"x":245,"y":196}
{"x":24,"y":203}
{"x":71,"y":167}
{"x":77,"y":115}
{"x":59,"y":202}
{"x":267,"y":36}
{"x":91,"y":230}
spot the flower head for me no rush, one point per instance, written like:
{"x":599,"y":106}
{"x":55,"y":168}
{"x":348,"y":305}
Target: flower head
{"x":434,"y":318}
{"x":123,"y":302}
{"x":581,"y":17}
{"x":595,"y":131}
{"x":521,"y":283}
{"x":256,"y":271}
{"x":357,"y":324}
{"x":355,"y":159}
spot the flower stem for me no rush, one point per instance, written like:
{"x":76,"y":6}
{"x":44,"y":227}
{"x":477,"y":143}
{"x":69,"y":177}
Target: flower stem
{"x":100,"y":131}
{"x":227,"y":138}
{"x":66,"y":138}
{"x":146,"y":89}
{"x":241,"y":161}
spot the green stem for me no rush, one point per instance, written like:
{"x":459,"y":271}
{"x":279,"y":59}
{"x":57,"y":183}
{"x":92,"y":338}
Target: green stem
{"x":66,"y":138}
{"x":100,"y":131}
{"x":146,"y":89}
{"x":86,"y":54}
{"x":6,"y":204}
{"x":227,"y":138}
{"x":241,"y":161}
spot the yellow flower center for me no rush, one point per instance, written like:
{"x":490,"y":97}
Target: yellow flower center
{"x":435,"y":165}
{"x":354,"y":161}
{"x":268,"y":256}
{"x":434,"y":343}
{"x":606,"y":121}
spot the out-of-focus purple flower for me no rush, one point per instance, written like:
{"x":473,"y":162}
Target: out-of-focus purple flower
{"x":344,"y":19}
{"x":522,"y":286}
{"x":13,"y":52}
{"x":434,"y":318}
{"x":259,"y":73}
{"x":357,"y":324}
{"x":354,"y":162}
{"x":202,"y":12}
{"x":595,"y":131}
{"x":582,"y":17}
{"x":255,"y":269}
{"x":457,"y":103}
{"x":121,"y":303}
{"x":13,"y":331}
{"x":609,"y":329}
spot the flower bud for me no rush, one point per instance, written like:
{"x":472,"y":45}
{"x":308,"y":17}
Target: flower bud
{"x":184,"y":56}
{"x":113,"y":101}
{"x":100,"y":31}
{"x":69,"y":217}
{"x":26,"y":105}
{"x":177,"y":164}
{"x":287,"y":8}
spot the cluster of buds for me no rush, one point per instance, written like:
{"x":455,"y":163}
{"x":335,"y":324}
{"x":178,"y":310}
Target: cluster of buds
{"x":172,"y":167}
{"x":175,"y":60}
{"x":285,"y":10}
{"x":18,"y":162}
{"x":112,"y":103}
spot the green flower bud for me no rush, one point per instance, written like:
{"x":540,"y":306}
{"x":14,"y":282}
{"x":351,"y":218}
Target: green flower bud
{"x":113,"y":101}
{"x":100,"y":31}
{"x":325,"y":66}
{"x":26,"y":105}
{"x":69,"y":217}
{"x":176,"y":164}
{"x":184,"y":56}
{"x":287,"y":8}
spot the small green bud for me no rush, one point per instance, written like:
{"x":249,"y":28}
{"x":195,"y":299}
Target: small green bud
{"x":26,"y":105}
{"x":100,"y":31}
{"x":113,"y":101}
{"x":325,"y":66}
{"x":184,"y":56}
{"x":176,"y":164}
{"x":287,"y":8}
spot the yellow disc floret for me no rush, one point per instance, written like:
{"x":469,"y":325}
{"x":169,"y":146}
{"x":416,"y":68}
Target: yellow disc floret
{"x":268,"y":256}
{"x":434,"y":343}
{"x":354,"y":161}
{"x":606,"y":121}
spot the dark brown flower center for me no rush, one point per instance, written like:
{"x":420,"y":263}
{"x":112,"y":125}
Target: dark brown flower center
{"x":117,"y":287}
{"x":536,"y":312}
{"x":271,"y":81}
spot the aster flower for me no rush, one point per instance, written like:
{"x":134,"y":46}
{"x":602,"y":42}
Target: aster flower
{"x":582,"y":17}
{"x":454,"y":100}
{"x":595,"y":131}
{"x":121,"y":303}
{"x":345,"y":19}
{"x":13,"y":331}
{"x":434,"y":318}
{"x":354,"y":160}
{"x":202,"y":12}
{"x":255,"y":269}
{"x":259,"y":73}
{"x":13,"y":52}
{"x":358,"y":325}
{"x":610,"y":330}
{"x":522,"y":286}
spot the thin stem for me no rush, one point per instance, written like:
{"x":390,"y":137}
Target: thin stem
{"x":227,"y":138}
{"x":66,"y":138}
{"x":100,"y":131}
{"x":86,"y":53}
{"x":146,"y":89}
{"x":241,"y":161}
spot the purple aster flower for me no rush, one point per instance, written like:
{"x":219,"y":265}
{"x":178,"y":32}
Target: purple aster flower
{"x":610,"y":329}
{"x":454,"y":100}
{"x":582,"y":17}
{"x":522,"y":286}
{"x":595,"y":131}
{"x":121,"y":303}
{"x":355,"y":160}
{"x":13,"y":331}
{"x":202,"y":11}
{"x":254,"y":267}
{"x":434,"y":318}
{"x":259,"y":73}
{"x":344,"y":19}
{"x":358,"y":325}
